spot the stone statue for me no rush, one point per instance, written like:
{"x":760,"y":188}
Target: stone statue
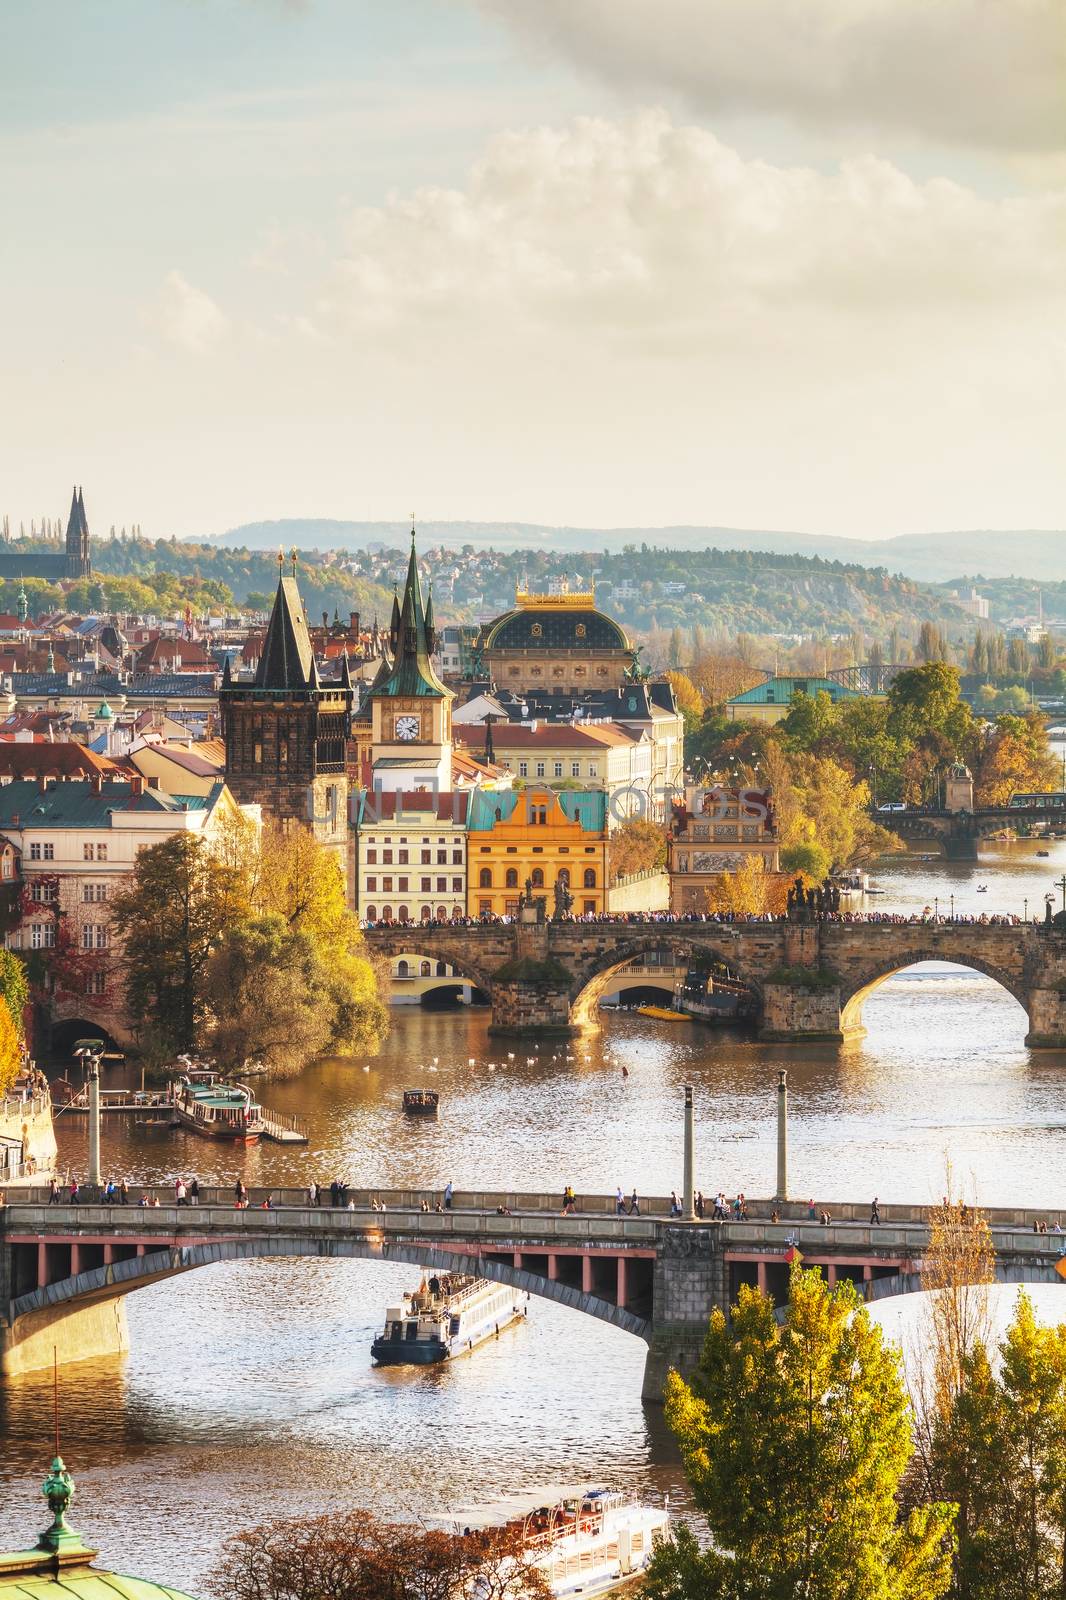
{"x":564,"y":900}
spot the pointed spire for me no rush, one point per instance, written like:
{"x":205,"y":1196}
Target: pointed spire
{"x":346,"y":671}
{"x":227,"y":675}
{"x":431,"y":635}
{"x":313,"y":680}
{"x":287,"y":657}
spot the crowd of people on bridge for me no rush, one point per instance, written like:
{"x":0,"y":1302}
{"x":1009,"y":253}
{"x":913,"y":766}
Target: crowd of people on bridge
{"x":703,"y":918}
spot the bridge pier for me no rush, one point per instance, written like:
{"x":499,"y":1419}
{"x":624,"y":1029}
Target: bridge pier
{"x":690,"y":1281}
{"x":78,"y":1333}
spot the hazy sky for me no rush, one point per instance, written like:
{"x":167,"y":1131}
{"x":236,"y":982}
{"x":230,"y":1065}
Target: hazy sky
{"x":767,"y":263}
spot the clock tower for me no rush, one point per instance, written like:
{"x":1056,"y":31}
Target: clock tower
{"x":411,"y":710}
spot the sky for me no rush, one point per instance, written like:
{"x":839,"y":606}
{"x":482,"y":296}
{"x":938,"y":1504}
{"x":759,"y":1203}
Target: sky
{"x":792,"y":264}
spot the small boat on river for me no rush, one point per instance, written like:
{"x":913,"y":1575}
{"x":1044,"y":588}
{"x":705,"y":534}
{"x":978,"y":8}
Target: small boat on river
{"x":215,"y":1109}
{"x":448,"y":1316}
{"x":421,"y":1102}
{"x":592,"y":1541}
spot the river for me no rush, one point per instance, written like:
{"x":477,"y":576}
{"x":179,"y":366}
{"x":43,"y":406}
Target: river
{"x":248,"y":1391}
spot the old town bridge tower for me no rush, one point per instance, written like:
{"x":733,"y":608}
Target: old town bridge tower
{"x":286,"y":733}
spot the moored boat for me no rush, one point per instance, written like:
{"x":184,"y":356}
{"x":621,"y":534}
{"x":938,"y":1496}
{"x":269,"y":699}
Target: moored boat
{"x":218,"y":1110}
{"x":447,"y":1316}
{"x":591,"y":1541}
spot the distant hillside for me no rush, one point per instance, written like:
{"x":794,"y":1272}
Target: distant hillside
{"x":932,"y":557}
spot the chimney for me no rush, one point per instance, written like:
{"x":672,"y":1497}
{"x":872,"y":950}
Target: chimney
{"x":353,"y":623}
{"x":325,"y":621}
{"x":136,"y":784}
{"x":97,"y":782}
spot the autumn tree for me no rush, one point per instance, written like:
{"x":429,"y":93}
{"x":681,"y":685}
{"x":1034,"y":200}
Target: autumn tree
{"x":354,"y":1556}
{"x":688,"y":698}
{"x":10,"y":1051}
{"x":636,"y":845}
{"x":267,"y":993}
{"x":14,"y":989}
{"x":750,"y":891}
{"x":170,"y":918}
{"x":795,"y":1438}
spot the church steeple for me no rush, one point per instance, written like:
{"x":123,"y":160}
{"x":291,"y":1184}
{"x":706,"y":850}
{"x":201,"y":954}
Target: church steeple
{"x":288,"y":659}
{"x":411,"y":636}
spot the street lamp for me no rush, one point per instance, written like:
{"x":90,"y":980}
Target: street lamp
{"x":1060,"y":883}
{"x":936,"y":908}
{"x":953,"y":908}
{"x":1026,"y":910}
{"x":90,"y":1052}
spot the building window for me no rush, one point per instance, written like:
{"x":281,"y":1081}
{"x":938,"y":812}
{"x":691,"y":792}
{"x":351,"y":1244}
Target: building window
{"x":485,"y":878}
{"x":442,"y":858}
{"x":257,"y":754}
{"x":402,"y":969}
{"x":590,"y":905}
{"x":92,"y":892}
{"x":386,"y":885}
{"x":511,"y":881}
{"x":442,"y":886}
{"x":540,"y":769}
{"x":371,"y":884}
{"x":35,"y":852}
{"x":94,"y":936}
{"x":558,"y":769}
{"x":537,"y":877}
{"x":402,"y":858}
{"x":484,"y":908}
{"x":538,"y":816}
{"x":426,"y":969}
{"x":43,"y":936}
{"x":442,"y":913}
{"x":523,"y":769}
{"x":575,"y":769}
{"x":386,"y":913}
{"x":405,"y":913}
{"x":371,"y":913}
{"x":7,"y":866}
{"x":426,"y":857}
{"x":425,"y":884}
{"x":590,"y":877}
{"x":96,"y":983}
{"x":401,"y":885}
{"x":386,"y":856}
{"x":457,"y":886}
{"x":371,"y":858}
{"x":457,"y":858}
{"x":101,"y":852}
{"x":563,"y":877}
{"x":427,"y":912}
{"x":594,"y":770}
{"x":44,"y":891}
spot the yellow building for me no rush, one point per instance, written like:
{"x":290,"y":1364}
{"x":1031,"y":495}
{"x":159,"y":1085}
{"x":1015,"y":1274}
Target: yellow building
{"x":716,"y":832}
{"x":540,"y":837}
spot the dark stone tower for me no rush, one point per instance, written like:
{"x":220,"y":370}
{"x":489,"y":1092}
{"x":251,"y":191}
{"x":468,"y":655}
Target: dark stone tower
{"x":286,"y":734}
{"x":78,"y":562}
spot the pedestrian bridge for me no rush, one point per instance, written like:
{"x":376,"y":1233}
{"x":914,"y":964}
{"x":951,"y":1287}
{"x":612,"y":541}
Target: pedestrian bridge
{"x":808,"y":981}
{"x":65,"y":1270}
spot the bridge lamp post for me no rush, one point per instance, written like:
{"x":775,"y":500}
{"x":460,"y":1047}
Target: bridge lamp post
{"x":952,"y":897}
{"x":936,"y":908}
{"x":1026,"y":905}
{"x":90,"y":1051}
{"x":1060,"y":883}
{"x":690,"y":1156}
{"x":782,"y":1135}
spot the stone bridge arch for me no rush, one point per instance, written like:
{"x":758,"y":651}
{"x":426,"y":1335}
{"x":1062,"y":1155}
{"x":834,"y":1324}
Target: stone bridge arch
{"x":1017,"y":1272}
{"x":34,"y":1316}
{"x":593,"y":972}
{"x":428,"y":942}
{"x":859,"y":985}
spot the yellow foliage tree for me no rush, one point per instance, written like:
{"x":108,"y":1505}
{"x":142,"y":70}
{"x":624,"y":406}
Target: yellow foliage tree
{"x":10,"y":1054}
{"x":688,"y":697}
{"x":751,"y":891}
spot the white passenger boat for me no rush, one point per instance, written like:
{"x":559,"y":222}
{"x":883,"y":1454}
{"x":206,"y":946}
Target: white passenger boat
{"x":447,"y":1316}
{"x":218,"y":1110}
{"x":586,"y":1541}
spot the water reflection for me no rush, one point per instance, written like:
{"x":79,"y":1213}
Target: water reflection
{"x":248,"y":1391}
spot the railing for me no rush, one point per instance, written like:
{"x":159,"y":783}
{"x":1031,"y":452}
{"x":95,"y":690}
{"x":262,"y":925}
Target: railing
{"x":278,"y":1123}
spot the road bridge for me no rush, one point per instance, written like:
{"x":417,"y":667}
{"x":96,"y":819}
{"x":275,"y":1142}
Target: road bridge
{"x":808,"y":980}
{"x":65,"y":1270}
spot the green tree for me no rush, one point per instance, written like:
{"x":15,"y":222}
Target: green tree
{"x":170,"y":919}
{"x":675,"y":650}
{"x":1046,"y":653}
{"x":809,"y":858}
{"x":1018,"y":657}
{"x":795,"y":1439}
{"x":268,"y":995}
{"x":1004,"y":1450}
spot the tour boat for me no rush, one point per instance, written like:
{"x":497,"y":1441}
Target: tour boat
{"x":448,"y":1316}
{"x":585,"y":1541}
{"x":218,"y":1110}
{"x":421,"y":1102}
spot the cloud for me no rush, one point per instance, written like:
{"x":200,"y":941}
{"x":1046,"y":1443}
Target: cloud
{"x":985,"y":73}
{"x":186,"y":316}
{"x":649,"y":234}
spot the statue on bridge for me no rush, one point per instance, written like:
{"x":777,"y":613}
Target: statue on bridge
{"x":814,"y":903}
{"x":564,"y":901}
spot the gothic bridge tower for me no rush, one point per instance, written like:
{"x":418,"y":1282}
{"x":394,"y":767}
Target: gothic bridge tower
{"x":78,"y":560}
{"x":286,"y":734}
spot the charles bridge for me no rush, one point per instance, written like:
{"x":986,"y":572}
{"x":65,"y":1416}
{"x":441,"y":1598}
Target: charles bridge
{"x":808,"y":980}
{"x":960,"y":832}
{"x":65,"y":1270}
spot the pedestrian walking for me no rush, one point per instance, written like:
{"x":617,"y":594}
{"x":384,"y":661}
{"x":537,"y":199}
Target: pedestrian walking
{"x":74,"y":1192}
{"x":448,"y":1191}
{"x":53,"y":1192}
{"x":194,"y":1192}
{"x":334,"y":1193}
{"x":875,"y":1213}
{"x":312,"y":1193}
{"x":812,"y":1214}
{"x":699,"y":1204}
{"x":180,"y":1192}
{"x":123,"y":1193}
{"x":620,"y":1201}
{"x":634,"y":1205}
{"x":675,"y":1204}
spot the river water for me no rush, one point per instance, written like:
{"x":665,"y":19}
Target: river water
{"x":248,"y":1391}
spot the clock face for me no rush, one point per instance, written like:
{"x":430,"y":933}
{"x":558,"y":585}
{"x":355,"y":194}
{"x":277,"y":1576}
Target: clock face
{"x":407,"y":728}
